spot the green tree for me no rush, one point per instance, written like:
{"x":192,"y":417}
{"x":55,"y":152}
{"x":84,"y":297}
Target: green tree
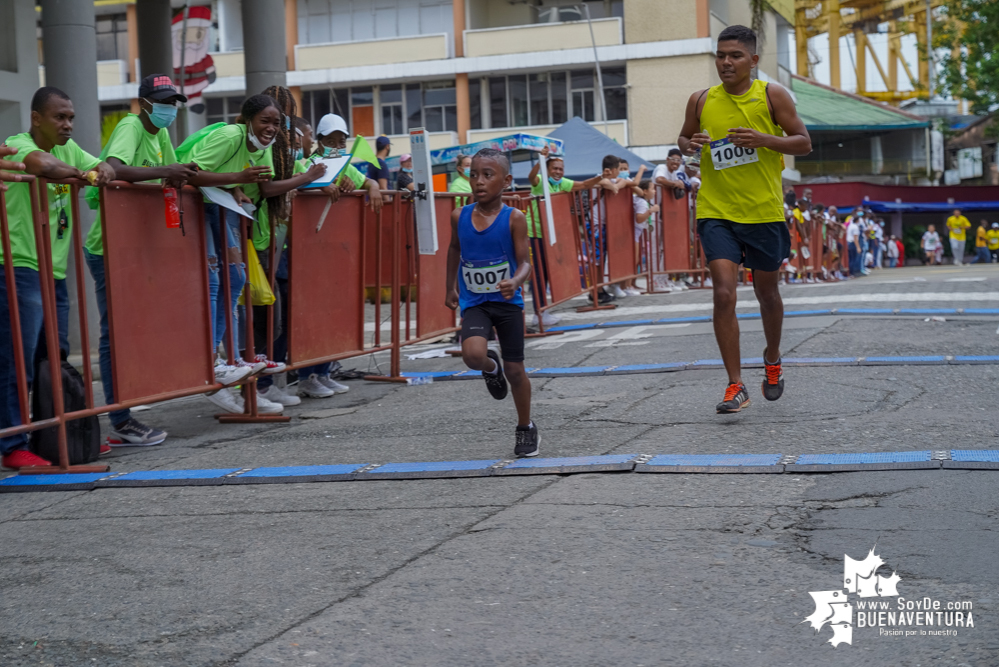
{"x":969,"y":30}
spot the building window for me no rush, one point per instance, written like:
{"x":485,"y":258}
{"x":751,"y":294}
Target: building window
{"x":390,"y":98}
{"x":616,"y":93}
{"x":325,"y":21}
{"x":560,"y":98}
{"x":557,"y":11}
{"x":553,"y":98}
{"x":583,"y":84}
{"x":497,"y":102}
{"x":475,"y":103}
{"x":440,"y":110}
{"x":112,"y":37}
{"x":223,"y":109}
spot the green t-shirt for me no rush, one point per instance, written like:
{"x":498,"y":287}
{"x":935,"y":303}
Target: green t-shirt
{"x":460,"y":184}
{"x":135,"y":147}
{"x":22,"y":229}
{"x":224,"y":151}
{"x":534,"y":228}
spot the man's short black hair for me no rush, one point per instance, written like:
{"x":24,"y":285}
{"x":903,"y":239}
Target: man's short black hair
{"x":493,"y":154}
{"x":674,"y":151}
{"x":611,"y":162}
{"x":43,"y":95}
{"x":739,"y":33}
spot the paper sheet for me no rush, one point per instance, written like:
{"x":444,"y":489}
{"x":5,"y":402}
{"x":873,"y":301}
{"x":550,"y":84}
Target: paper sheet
{"x":226,"y":200}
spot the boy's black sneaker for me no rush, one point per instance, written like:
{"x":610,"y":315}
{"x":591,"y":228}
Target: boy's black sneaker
{"x":528,"y":440}
{"x":773,"y":385}
{"x":495,"y":382}
{"x":736,"y":398}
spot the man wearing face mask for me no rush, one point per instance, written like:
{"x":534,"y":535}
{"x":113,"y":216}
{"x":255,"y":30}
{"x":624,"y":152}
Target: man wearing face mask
{"x":139,"y":149}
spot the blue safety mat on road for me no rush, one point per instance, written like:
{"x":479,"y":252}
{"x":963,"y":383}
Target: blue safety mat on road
{"x":430,"y":374}
{"x":571,"y":370}
{"x":714,"y":460}
{"x":820,"y":360}
{"x":981,"y":311}
{"x":936,"y":359}
{"x":54,"y":480}
{"x":805,"y":313}
{"x":646,"y":368}
{"x":748,"y":316}
{"x":570,"y":461}
{"x":626,"y":323}
{"x":927,"y":311}
{"x":572,"y":327}
{"x":303,"y":471}
{"x":971,"y":359}
{"x":990,"y":455}
{"x":872,"y":457}
{"x":434,"y":466}
{"x":683,"y":320}
{"x":987,"y":459}
{"x":864,"y":311}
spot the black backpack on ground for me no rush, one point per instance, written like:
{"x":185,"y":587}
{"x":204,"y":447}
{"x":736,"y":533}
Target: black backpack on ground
{"x":83,"y":436}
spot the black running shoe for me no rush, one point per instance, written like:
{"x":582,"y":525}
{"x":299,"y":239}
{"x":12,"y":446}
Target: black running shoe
{"x":736,"y":398}
{"x":495,"y":382}
{"x":528,"y":440}
{"x":773,"y":385}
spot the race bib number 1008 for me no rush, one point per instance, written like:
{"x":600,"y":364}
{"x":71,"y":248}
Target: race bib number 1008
{"x":724,"y":154}
{"x":484,"y":277}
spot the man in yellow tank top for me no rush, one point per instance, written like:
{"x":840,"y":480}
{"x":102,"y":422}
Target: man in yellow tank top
{"x":742,"y":130}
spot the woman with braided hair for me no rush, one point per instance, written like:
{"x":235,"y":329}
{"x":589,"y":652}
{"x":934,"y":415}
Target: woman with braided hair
{"x":246,"y":147}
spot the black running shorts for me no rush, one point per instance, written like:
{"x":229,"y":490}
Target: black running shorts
{"x":762,"y":246}
{"x":508,"y":320}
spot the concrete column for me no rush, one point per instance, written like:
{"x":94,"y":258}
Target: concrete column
{"x":155,"y":44}
{"x":463,"y":109}
{"x":834,"y":79}
{"x":264,"y":49}
{"x":69,"y":44}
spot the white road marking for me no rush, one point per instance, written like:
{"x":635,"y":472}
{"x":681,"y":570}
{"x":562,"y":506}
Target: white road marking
{"x":846,"y":300}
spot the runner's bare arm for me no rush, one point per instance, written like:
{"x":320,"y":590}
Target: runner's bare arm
{"x":518,"y":230}
{"x":691,"y":139}
{"x":453,"y":259}
{"x":796,"y":140}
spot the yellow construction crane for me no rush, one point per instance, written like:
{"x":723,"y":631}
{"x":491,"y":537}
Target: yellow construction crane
{"x":862,"y":17}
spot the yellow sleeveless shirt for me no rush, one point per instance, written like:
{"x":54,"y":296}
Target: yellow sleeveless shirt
{"x":747,"y":189}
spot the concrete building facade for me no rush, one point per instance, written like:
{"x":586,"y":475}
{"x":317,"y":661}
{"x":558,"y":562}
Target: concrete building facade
{"x":470,"y":70}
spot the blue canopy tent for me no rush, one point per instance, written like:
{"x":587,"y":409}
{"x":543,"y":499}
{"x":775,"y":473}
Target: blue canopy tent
{"x":584,"y":149}
{"x":934,"y":207}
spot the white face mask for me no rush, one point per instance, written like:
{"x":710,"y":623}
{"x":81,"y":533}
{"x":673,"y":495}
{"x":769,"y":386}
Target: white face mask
{"x":256,"y":142}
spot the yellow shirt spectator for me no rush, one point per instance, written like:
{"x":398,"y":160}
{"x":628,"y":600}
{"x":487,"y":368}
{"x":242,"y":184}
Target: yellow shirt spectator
{"x":957,"y":225}
{"x":981,"y":238}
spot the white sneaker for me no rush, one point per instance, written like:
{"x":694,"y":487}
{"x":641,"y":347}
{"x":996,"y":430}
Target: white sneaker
{"x":227,"y":375}
{"x":618,"y":292}
{"x":225,"y":400}
{"x":313,"y":388}
{"x":254,"y":366}
{"x":275,"y":395}
{"x":266,"y":407}
{"x":708,"y":283}
{"x":631,"y":291}
{"x":549,"y":318}
{"x":333,"y":385}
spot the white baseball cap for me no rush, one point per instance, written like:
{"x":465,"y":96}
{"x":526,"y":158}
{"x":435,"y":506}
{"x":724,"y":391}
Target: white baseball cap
{"x":329,"y":124}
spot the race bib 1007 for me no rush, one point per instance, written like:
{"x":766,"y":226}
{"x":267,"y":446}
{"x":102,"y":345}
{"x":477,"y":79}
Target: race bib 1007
{"x":725,"y":154}
{"x":484,"y":276}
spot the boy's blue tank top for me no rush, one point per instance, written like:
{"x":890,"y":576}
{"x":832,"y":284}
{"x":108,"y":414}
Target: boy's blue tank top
{"x":487,"y":258}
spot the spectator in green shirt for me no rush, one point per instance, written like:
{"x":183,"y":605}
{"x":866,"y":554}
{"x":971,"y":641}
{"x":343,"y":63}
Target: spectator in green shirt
{"x":138,"y":149}
{"x":46,"y":150}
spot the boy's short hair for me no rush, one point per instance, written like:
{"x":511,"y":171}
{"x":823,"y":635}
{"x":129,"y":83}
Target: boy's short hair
{"x":646,"y":182}
{"x":493,"y":154}
{"x":674,"y":151}
{"x":611,"y":162}
{"x":741,"y":34}
{"x":622,"y":160}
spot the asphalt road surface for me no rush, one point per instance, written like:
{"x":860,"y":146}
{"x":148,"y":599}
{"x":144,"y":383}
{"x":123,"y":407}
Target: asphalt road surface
{"x":615,"y":569}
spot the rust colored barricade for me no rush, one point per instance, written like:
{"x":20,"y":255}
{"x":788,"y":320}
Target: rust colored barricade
{"x":562,"y":273}
{"x":325,"y":285}
{"x":156,"y":279}
{"x":673,"y":246}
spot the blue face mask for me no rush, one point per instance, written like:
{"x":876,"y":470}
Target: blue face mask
{"x":467,"y":171}
{"x":408,"y":171}
{"x":330,"y":152}
{"x":624,"y":174}
{"x":554,"y":181}
{"x":163,"y":115}
{"x":299,"y":154}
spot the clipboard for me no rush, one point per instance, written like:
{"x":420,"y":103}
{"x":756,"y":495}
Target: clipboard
{"x":335,"y":166}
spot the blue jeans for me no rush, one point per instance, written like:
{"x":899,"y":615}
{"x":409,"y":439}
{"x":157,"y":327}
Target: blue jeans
{"x":29,"y":308}
{"x":96,"y":265}
{"x":237,"y":272}
{"x":982,"y":256}
{"x":855,"y":260}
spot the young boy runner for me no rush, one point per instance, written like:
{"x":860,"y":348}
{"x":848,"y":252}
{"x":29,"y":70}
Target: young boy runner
{"x":744,"y":127}
{"x":487,"y":263}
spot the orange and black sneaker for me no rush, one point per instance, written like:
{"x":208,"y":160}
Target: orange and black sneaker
{"x":736,"y":398}
{"x":773,"y":385}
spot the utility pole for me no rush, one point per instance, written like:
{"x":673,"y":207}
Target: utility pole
{"x":600,"y":76}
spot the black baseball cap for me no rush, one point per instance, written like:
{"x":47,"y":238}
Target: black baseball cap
{"x":159,"y":87}
{"x":382,"y":141}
